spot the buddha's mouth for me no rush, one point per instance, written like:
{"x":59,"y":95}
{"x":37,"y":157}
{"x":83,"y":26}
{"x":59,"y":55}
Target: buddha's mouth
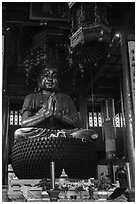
{"x":50,"y":84}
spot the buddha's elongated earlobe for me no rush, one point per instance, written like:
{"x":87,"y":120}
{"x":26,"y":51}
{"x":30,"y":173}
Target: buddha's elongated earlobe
{"x":38,"y":89}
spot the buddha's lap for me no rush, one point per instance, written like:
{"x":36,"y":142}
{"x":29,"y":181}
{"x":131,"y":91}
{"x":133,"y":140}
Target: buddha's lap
{"x":33,"y":132}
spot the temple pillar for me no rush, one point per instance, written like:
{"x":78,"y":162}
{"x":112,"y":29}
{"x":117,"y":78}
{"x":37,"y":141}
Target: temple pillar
{"x":128,"y":109}
{"x":5,"y":125}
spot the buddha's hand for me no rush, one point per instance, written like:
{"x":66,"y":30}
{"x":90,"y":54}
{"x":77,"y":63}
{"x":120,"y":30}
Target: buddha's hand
{"x":42,"y":110}
{"x":57,"y":114}
{"x":45,"y":112}
{"x":48,"y":110}
{"x":50,"y":103}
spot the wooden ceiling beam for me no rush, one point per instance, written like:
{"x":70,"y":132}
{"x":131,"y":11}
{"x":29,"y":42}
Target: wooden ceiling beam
{"x":36,"y":23}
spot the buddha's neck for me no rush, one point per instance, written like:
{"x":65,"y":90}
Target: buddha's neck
{"x":47,"y":92}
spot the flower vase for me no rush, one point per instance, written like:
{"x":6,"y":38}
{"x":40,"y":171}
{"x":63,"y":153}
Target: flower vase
{"x":82,"y":193}
{"x":53,"y":194}
{"x":91,"y":193}
{"x":44,"y":194}
{"x":71,"y":194}
{"x":102,"y":194}
{"x":62,"y":195}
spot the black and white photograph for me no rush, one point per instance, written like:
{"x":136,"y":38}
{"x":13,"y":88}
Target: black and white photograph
{"x":68,"y":101}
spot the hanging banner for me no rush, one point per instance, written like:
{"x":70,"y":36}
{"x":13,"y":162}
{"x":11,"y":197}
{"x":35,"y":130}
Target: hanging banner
{"x":131,"y":51}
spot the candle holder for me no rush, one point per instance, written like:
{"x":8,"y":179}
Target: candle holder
{"x":53,"y":194}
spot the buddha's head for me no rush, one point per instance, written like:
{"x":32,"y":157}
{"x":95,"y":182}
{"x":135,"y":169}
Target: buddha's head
{"x":48,"y":78}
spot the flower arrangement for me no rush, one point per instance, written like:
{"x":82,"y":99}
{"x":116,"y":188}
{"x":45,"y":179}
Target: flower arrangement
{"x":76,"y":186}
{"x":45,"y":184}
{"x":103,"y":183}
{"x":64,"y":186}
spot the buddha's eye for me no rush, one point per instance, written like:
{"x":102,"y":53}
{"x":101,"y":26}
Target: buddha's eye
{"x":55,"y":75}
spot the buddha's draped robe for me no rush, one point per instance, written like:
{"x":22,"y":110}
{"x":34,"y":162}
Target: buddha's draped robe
{"x":64,"y":106}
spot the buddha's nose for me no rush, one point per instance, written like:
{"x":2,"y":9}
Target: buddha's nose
{"x":50,"y":77}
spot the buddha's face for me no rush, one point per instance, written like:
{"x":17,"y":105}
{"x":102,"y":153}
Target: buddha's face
{"x":49,"y":79}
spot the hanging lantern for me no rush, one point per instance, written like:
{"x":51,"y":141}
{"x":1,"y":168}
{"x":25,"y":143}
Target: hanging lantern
{"x":91,"y":34}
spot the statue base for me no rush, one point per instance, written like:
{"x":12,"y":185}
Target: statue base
{"x":31,"y":158}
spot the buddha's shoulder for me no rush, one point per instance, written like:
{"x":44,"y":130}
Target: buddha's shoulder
{"x":33,"y":95}
{"x":62,"y":95}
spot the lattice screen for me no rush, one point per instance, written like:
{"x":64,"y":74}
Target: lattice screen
{"x":96,"y":119}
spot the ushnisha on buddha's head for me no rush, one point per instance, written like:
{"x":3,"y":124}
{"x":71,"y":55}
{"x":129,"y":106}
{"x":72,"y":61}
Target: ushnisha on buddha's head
{"x":48,"y":78}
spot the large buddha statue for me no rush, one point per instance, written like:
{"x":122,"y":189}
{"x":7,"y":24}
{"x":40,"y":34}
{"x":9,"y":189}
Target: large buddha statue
{"x":50,"y":112}
{"x":51,"y":130}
